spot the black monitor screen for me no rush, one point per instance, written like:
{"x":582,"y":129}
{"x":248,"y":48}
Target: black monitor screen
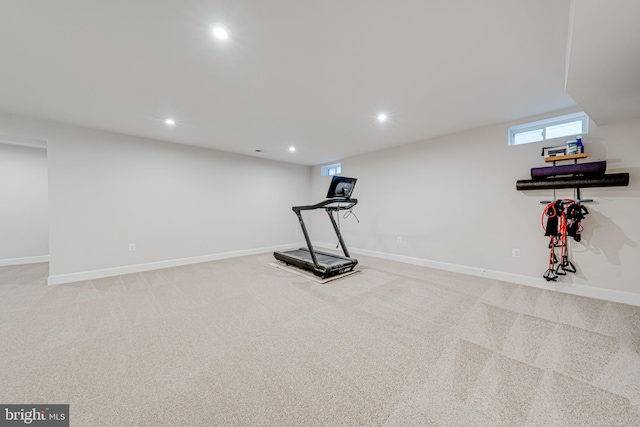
{"x":341,"y":187}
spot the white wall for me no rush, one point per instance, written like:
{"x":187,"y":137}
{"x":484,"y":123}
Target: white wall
{"x":24,"y":231}
{"x":454,"y":201}
{"x":174,"y":202}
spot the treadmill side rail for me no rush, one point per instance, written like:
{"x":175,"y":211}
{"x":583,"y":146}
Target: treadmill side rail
{"x":328,"y":204}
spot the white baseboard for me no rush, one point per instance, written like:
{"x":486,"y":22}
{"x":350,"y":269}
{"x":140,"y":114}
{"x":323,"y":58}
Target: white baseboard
{"x":24,"y":260}
{"x":537,"y":282}
{"x":138,"y":268}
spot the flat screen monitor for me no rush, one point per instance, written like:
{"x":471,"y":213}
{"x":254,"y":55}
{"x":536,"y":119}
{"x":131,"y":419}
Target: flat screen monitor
{"x":341,"y":187}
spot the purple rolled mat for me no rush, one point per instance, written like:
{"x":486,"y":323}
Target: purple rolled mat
{"x":590,"y":169}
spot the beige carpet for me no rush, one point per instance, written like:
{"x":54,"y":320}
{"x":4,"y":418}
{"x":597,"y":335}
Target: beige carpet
{"x":238,"y":342}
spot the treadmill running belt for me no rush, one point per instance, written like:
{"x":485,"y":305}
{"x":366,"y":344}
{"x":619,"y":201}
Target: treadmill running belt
{"x":326,"y":260}
{"x":328,"y":264}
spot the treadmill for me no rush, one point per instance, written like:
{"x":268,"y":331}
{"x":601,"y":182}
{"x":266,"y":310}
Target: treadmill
{"x":324,"y":264}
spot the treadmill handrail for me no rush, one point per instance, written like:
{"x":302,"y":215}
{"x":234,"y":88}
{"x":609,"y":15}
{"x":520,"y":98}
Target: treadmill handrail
{"x":323,"y":205}
{"x":329,"y":209}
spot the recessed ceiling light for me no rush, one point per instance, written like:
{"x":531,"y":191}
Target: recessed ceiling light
{"x":292,"y":149}
{"x":382,"y":117}
{"x":170,"y":122}
{"x":221,"y":32}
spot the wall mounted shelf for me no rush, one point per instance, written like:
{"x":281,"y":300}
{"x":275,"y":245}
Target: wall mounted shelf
{"x":574,"y":157}
{"x":576,"y":180}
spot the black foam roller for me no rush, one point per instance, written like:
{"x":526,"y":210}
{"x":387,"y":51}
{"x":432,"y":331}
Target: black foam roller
{"x":590,"y":169}
{"x":607,"y":180}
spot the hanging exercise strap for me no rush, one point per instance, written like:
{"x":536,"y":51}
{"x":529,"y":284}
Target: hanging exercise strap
{"x":575,"y":214}
{"x":553,"y":212}
{"x":563,"y":218}
{"x":565,"y":265}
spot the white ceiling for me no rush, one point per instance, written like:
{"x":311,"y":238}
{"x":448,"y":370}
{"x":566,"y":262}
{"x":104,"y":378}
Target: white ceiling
{"x":313,"y":74}
{"x":603,"y":65}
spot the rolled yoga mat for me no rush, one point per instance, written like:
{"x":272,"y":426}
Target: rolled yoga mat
{"x":607,"y":180}
{"x":590,"y":169}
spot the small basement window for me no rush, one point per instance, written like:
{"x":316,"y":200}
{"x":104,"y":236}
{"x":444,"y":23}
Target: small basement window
{"x":554,"y":127}
{"x":330,"y":170}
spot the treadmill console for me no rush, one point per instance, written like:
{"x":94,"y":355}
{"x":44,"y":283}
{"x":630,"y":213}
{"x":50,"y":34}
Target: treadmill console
{"x":341,"y":187}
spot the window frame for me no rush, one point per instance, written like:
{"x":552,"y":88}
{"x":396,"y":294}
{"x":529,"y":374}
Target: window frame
{"x":326,"y":169}
{"x":545,"y":123}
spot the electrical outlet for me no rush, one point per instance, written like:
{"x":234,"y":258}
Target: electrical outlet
{"x":399,"y":239}
{"x":515,"y":253}
{"x":132,"y":247}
